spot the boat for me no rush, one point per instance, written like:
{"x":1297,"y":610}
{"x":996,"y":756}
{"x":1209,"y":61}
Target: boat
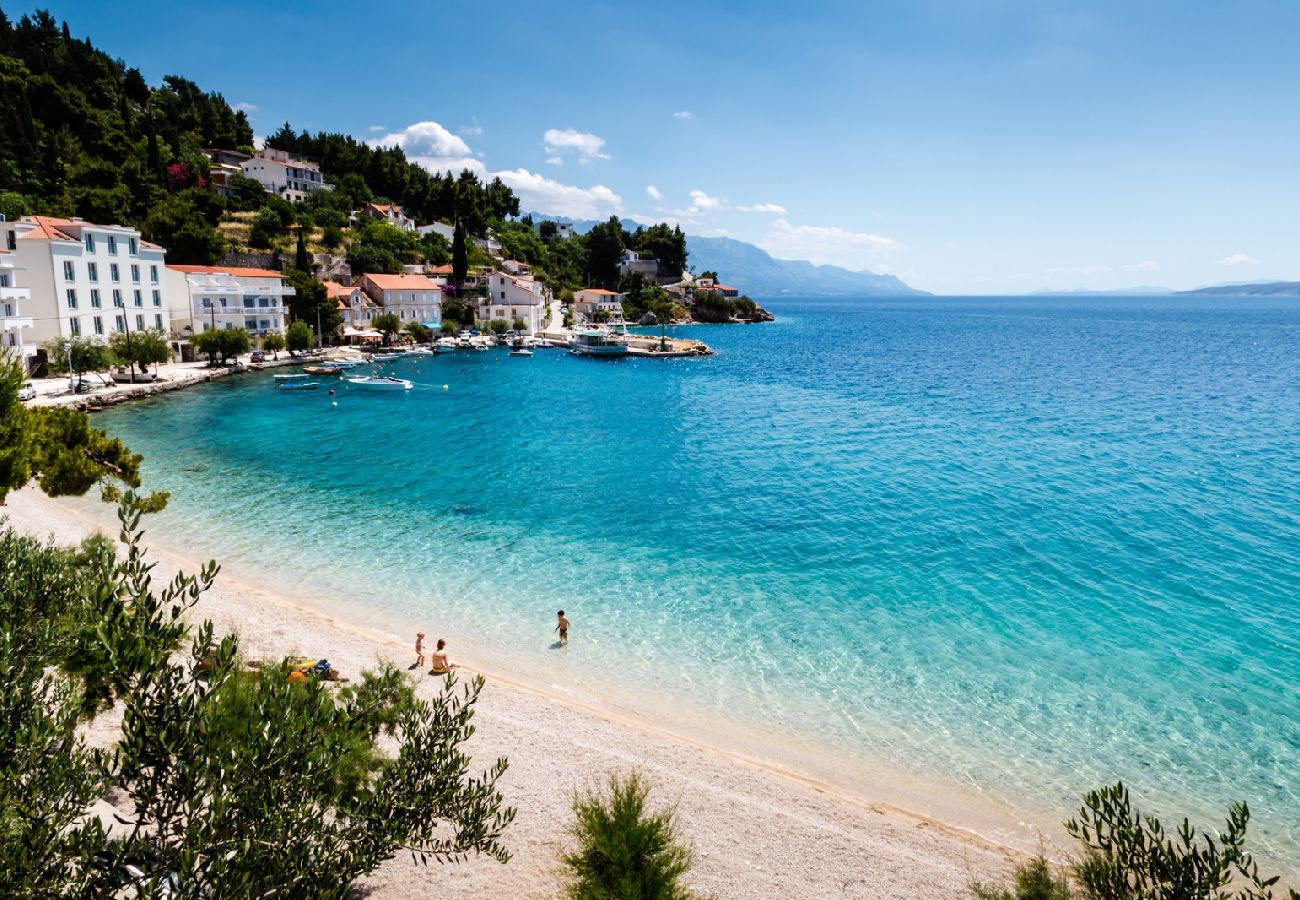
{"x":299,"y":385}
{"x":598,"y":342}
{"x":385,"y":357}
{"x":521,"y":351}
{"x":136,"y":378}
{"x":446,"y":343}
{"x":322,"y":370}
{"x":421,"y":351}
{"x":380,"y":383}
{"x":296,"y":377}
{"x":346,"y":363}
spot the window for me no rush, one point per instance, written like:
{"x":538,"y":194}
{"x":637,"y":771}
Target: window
{"x":74,"y":327}
{"x":121,"y":323}
{"x":139,"y":323}
{"x":135,"y":273}
{"x":223,"y":302}
{"x":157,"y":321}
{"x":92,"y":269}
{"x":99,"y":325}
{"x":153,"y":274}
{"x":117,"y":297}
{"x":131,"y":248}
{"x":94,"y":298}
{"x":112,"y":246}
{"x":249,"y":303}
{"x":266,"y":324}
{"x":113,"y":273}
{"x":72,"y":299}
{"x":11,"y":239}
{"x":139,"y":301}
{"x":207,"y":303}
{"x":264,"y":302}
{"x":503,"y":295}
{"x":207,"y":327}
{"x":250,"y":324}
{"x":90,"y":242}
{"x":157,"y":298}
{"x":69,"y":272}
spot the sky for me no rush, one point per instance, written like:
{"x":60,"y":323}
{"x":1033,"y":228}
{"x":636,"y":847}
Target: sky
{"x":966,"y":146}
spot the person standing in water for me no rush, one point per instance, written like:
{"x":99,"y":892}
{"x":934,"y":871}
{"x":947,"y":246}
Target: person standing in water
{"x":562,"y":626}
{"x":441,"y":664}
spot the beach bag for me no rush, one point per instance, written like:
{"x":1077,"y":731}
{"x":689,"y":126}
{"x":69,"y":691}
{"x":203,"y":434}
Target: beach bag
{"x":322,"y":668}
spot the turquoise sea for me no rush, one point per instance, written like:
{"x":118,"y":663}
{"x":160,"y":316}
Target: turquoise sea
{"x":1026,"y":545}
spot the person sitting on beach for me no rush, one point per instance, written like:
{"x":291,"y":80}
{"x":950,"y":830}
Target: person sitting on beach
{"x":441,"y":665}
{"x":562,"y":626}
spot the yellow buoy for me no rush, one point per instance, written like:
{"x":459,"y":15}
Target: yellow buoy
{"x":445,"y":388}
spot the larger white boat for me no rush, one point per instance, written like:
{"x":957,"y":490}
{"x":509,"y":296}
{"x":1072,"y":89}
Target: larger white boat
{"x":380,"y":383}
{"x":598,"y":341}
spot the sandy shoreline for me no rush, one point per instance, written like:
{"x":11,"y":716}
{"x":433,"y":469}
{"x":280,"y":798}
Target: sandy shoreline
{"x":758,"y":829}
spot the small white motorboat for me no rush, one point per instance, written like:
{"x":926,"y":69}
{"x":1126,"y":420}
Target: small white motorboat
{"x":386,"y":357}
{"x":300,"y":376}
{"x":420,"y":351}
{"x":380,"y":383}
{"x":299,"y":385}
{"x":446,"y":343}
{"x":521,"y":351}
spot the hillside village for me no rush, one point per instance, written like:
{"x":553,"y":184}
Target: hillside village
{"x":67,"y":278}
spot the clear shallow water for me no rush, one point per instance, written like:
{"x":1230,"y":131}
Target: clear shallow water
{"x":1031,"y":545}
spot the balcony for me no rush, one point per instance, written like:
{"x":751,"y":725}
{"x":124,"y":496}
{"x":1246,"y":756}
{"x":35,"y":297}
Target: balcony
{"x":15,"y":293}
{"x":14,"y":323}
{"x":277,"y":291}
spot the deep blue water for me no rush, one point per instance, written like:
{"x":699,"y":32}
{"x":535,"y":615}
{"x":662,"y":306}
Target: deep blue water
{"x":1034,"y":545}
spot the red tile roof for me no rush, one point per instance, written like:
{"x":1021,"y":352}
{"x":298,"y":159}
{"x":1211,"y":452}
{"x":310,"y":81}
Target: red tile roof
{"x":598,"y":291}
{"x":401,"y":282}
{"x":49,"y":228}
{"x":237,"y":271}
{"x":441,"y":270}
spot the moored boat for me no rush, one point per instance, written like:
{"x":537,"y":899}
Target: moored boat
{"x":598,"y":342}
{"x":322,"y":370}
{"x":380,"y":383}
{"x":299,"y":385}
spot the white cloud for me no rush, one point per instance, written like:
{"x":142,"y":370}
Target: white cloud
{"x":763,"y":208}
{"x":554,"y":161}
{"x":587,"y":145}
{"x":433,"y":147}
{"x":715,"y":232}
{"x":1238,"y":259}
{"x":685,"y":115}
{"x":1147,"y":265}
{"x":545,"y":195}
{"x":246,"y":107}
{"x":654,"y":192}
{"x":378,"y":128}
{"x":825,"y":244}
{"x":471,"y":130}
{"x":702,"y":201}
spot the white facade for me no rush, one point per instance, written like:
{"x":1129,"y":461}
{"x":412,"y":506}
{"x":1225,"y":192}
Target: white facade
{"x":586,"y":304}
{"x":631,"y":263}
{"x":441,"y":228}
{"x":209,"y":297}
{"x":412,"y":298}
{"x":514,"y":297}
{"x":14,"y":326}
{"x":87,"y":280}
{"x":390,"y":213}
{"x":284,"y":174}
{"x":357,"y":309}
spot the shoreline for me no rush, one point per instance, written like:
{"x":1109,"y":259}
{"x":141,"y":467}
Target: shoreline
{"x":802,"y":835}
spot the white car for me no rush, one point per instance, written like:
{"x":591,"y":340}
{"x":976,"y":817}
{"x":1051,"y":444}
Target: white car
{"x":27,"y":392}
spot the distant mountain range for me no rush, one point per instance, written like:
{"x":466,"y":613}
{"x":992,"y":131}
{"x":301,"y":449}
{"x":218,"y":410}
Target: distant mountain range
{"x":1115,"y":292}
{"x":1252,"y":289}
{"x":756,"y":272}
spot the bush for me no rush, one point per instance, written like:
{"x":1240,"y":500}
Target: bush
{"x":623,"y":850}
{"x":331,"y":237}
{"x":1035,"y":880}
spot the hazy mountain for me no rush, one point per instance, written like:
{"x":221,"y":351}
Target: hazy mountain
{"x":757,"y":273}
{"x":1252,"y":288}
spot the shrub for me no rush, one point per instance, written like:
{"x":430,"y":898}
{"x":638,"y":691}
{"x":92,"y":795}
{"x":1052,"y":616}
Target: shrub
{"x":624,"y":851}
{"x":1035,"y":880}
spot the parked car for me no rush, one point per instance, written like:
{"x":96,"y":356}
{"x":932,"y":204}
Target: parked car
{"x":257,"y":356}
{"x":27,"y":392}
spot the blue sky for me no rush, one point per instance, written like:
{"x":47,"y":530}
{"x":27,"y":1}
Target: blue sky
{"x":968,"y":147}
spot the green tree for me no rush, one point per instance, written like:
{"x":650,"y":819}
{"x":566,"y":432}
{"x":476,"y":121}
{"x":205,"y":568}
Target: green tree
{"x":266,"y":227}
{"x":436,"y":248}
{"x":331,"y":237}
{"x":301,"y":259}
{"x":299,"y":337}
{"x":604,"y":247}
{"x":418,"y":332}
{"x":448,"y":326}
{"x":1035,"y":880}
{"x":459,"y":257}
{"x":387,"y":323}
{"x":58,"y":447}
{"x":623,"y":849}
{"x":458,"y":311}
{"x":150,"y":347}
{"x":185,"y":223}
{"x":210,"y":757}
{"x":378,"y":247}
{"x":274,"y":342}
{"x":77,"y":355}
{"x":220,"y":344}
{"x":247,"y":194}
{"x":311,"y":303}
{"x":498,"y":326}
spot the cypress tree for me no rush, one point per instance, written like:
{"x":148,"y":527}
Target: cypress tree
{"x":459,"y":255}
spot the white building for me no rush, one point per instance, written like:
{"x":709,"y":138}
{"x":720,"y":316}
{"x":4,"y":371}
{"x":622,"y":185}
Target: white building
{"x":441,"y":228}
{"x":87,"y":280}
{"x":594,"y":303}
{"x":390,"y":213}
{"x":284,"y":174}
{"x":13,"y":324}
{"x":512,"y":297}
{"x":563,"y":230}
{"x":631,"y":263}
{"x":208,"y":297}
{"x":412,"y":298}
{"x":356,"y":308}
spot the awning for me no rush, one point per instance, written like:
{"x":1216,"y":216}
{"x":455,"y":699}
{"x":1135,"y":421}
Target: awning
{"x":349,"y":331}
